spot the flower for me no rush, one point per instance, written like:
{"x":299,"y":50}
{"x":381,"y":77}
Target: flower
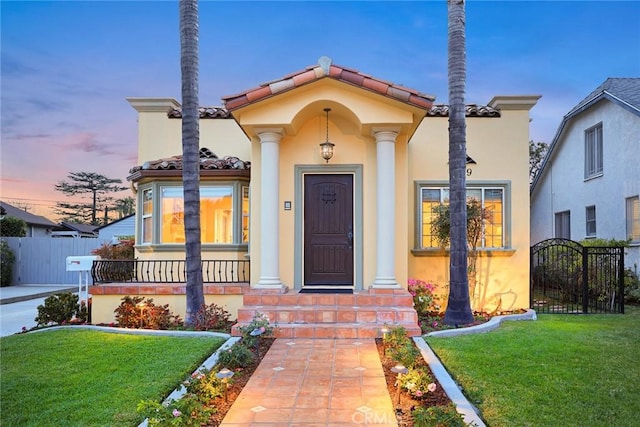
{"x":432,"y":387}
{"x":176,"y":413}
{"x":418,"y":393}
{"x":434,"y":324}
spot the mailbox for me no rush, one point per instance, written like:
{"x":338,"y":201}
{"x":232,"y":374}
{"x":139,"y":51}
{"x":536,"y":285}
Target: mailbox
{"x":80,"y":263}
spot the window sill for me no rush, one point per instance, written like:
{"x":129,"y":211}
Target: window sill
{"x":179,"y":247}
{"x":482,"y":253}
{"x":589,"y":178}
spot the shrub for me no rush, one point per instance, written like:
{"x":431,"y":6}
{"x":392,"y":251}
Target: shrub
{"x":59,"y":309}
{"x":187,"y":411}
{"x":136,"y":312}
{"x":212,"y":318}
{"x":423,"y":296}
{"x":438,"y":416}
{"x":631,"y":287}
{"x":259,"y":322}
{"x":238,"y":356}
{"x":406,"y":354}
{"x":123,"y":250}
{"x":10,"y":226}
{"x":396,"y":337}
{"x":7,"y":259}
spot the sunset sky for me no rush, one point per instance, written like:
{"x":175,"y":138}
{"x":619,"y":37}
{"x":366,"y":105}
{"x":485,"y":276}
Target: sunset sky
{"x":67,"y":67}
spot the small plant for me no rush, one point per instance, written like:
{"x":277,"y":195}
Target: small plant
{"x":238,"y":356}
{"x":260,"y":322}
{"x":396,"y":337}
{"x":136,"y":312}
{"x":423,"y":296}
{"x":7,"y":259}
{"x":418,"y":382}
{"x":212,"y":318}
{"x":205,"y":384}
{"x":406,"y":354}
{"x":59,"y":309}
{"x":188,"y":411}
{"x":438,"y":416}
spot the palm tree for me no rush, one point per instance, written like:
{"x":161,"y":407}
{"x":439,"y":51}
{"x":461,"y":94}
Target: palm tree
{"x":458,"y":307}
{"x":189,"y":63}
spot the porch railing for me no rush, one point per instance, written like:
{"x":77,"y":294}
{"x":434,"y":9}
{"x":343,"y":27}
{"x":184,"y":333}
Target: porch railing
{"x":167,"y":271}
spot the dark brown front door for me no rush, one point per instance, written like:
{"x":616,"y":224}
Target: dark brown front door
{"x":328,"y":230}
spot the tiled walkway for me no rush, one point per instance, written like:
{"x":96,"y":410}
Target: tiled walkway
{"x":319,"y":382}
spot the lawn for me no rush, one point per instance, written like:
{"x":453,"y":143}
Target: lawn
{"x":89,"y":378}
{"x":569,"y":370}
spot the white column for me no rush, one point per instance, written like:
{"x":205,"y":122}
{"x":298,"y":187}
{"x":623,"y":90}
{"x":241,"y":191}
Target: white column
{"x":269,"y":201}
{"x":385,"y":205}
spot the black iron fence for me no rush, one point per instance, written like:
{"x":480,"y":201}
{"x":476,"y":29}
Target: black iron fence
{"x":567,"y":277}
{"x":167,"y":271}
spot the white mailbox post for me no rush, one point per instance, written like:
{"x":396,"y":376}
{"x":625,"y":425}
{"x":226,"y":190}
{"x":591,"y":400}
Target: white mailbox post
{"x":82,"y":264}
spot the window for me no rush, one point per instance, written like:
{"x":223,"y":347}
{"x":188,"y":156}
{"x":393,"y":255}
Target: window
{"x":591,"y":221}
{"x":492,"y":200}
{"x":147,"y":216}
{"x":633,"y":218}
{"x":593,"y":151}
{"x":224,"y":214}
{"x":563,"y":225}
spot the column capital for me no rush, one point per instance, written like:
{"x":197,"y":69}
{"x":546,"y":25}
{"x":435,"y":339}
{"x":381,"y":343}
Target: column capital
{"x":385,"y":134}
{"x":270,"y":134}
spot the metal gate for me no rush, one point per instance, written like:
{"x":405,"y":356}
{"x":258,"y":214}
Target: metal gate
{"x":567,"y":277}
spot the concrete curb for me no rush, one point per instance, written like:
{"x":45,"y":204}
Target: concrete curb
{"x":492,"y":324}
{"x":138,"y":331}
{"x":463,"y":406}
{"x":19,"y":298}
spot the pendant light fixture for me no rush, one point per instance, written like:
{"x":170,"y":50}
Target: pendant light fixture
{"x":326,"y":148}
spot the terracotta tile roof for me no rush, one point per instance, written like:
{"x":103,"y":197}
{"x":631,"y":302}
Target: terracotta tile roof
{"x":325,"y":69}
{"x":471,"y":110}
{"x":205,"y":113}
{"x":208,"y":161}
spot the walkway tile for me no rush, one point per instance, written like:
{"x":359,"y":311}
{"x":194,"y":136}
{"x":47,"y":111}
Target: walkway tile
{"x":315,"y":382}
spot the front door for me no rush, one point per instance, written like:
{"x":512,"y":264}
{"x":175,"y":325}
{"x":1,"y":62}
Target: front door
{"x":328,"y":230}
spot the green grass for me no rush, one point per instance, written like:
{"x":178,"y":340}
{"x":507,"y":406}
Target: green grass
{"x":89,"y":378}
{"x":569,"y":370}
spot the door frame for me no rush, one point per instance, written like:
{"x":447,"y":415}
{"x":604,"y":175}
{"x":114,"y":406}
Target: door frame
{"x":299,"y":172}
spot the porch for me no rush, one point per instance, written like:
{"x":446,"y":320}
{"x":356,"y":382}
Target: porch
{"x":361,"y":314}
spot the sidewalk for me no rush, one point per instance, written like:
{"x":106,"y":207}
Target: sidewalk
{"x":11,"y":294}
{"x":319,"y":382}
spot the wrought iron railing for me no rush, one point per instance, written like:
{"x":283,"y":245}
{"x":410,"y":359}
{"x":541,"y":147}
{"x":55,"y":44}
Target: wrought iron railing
{"x":167,"y":271}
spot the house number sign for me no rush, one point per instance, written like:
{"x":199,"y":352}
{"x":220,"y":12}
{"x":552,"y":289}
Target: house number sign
{"x":469,"y":171}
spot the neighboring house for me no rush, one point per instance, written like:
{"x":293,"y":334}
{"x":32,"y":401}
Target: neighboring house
{"x":77,"y":230}
{"x":37,"y":226}
{"x":356,"y":222}
{"x":114,"y":231}
{"x":589,"y":183}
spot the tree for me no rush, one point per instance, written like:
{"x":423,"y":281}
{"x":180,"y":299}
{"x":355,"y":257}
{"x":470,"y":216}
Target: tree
{"x":91,"y":184}
{"x":537,"y":153}
{"x":189,"y":63}
{"x":125,"y":207}
{"x":459,"y":305}
{"x":477,"y":217}
{"x":10,"y":226}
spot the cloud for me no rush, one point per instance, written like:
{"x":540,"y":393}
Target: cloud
{"x":88,"y":143}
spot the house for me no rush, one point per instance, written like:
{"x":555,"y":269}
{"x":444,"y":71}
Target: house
{"x":76,"y":230}
{"x":589,"y":182}
{"x":37,"y":226}
{"x":317,"y":192}
{"x":114,"y":231}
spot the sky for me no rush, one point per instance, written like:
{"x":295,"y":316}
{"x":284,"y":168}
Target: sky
{"x":67,"y":67}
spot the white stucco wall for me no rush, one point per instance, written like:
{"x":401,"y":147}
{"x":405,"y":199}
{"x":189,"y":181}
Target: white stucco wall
{"x":563,"y":186}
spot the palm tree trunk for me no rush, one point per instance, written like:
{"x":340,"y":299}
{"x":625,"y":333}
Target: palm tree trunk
{"x":189,"y":62}
{"x":458,"y":307}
